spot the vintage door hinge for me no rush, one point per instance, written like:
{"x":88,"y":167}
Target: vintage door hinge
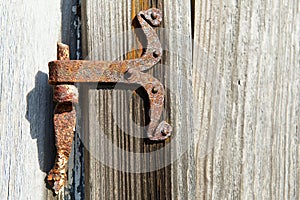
{"x":63,"y":73}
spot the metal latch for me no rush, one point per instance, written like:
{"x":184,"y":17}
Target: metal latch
{"x":63,"y":73}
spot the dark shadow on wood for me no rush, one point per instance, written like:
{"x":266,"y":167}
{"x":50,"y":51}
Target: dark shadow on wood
{"x":40,"y":116}
{"x":140,"y":34}
{"x":70,"y":10}
{"x":192,"y":17}
{"x":143,"y":94}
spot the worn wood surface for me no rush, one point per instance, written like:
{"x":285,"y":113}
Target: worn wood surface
{"x":114,"y":119}
{"x":244,"y":101}
{"x":246,"y":85}
{"x":29,"y":32}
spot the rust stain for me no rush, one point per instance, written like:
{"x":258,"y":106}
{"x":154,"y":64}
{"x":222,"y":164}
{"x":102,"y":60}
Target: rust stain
{"x":64,"y":125}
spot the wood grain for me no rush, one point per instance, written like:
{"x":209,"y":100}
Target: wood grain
{"x":246,"y":85}
{"x":233,"y":100}
{"x":118,"y":113}
{"x":29,"y":32}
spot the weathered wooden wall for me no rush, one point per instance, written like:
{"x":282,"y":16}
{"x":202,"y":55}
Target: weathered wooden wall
{"x":246,"y":83}
{"x":112,"y":116}
{"x":29,"y":32}
{"x":244,"y":67}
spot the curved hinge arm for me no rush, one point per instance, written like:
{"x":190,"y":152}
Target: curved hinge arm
{"x":155,"y":90}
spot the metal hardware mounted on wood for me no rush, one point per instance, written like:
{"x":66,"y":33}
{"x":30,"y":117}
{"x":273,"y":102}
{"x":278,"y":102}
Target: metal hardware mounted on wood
{"x":63,"y":73}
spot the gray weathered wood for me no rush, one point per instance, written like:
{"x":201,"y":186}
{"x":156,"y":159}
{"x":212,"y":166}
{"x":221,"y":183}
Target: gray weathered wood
{"x":246,"y":85}
{"x":109,"y":112}
{"x":29,"y":32}
{"x":245,"y":101}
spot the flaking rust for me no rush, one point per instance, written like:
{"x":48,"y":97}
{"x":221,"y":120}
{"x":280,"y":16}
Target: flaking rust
{"x":63,"y":73}
{"x":66,"y":95}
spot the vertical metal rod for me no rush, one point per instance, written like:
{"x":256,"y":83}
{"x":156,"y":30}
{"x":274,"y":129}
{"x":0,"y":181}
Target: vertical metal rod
{"x":64,"y":125}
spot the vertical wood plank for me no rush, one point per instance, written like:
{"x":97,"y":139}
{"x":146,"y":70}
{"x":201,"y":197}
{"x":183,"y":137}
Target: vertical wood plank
{"x":177,"y":42}
{"x":29,"y":32}
{"x":115,"y":114}
{"x":246,"y":83}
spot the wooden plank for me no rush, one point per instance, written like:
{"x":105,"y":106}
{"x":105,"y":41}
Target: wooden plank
{"x":115,"y":114}
{"x":29,"y":32}
{"x":177,"y":42}
{"x":28,"y":43}
{"x":246,"y":84}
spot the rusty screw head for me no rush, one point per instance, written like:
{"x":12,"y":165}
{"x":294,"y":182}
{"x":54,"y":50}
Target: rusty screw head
{"x":156,"y":54}
{"x":154,"y":90}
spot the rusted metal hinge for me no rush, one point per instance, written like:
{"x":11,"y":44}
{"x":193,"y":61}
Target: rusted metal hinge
{"x":63,"y":73}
